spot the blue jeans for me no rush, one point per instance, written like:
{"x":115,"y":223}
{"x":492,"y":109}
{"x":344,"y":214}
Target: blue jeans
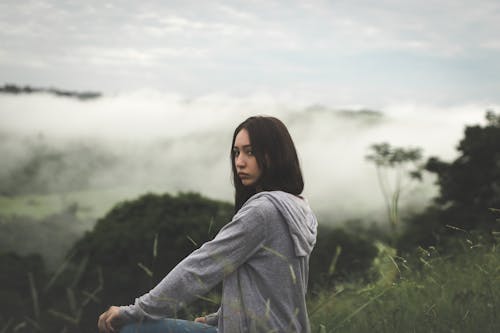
{"x":168,"y":326}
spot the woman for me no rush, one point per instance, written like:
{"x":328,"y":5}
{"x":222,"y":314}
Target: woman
{"x":261,"y":256}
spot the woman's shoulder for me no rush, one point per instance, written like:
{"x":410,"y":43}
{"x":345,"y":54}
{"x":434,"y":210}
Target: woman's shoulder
{"x":259,"y":202}
{"x":281,"y":196}
{"x":271,"y":201}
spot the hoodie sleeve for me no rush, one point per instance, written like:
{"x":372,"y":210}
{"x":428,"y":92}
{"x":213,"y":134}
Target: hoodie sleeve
{"x":213,"y":318}
{"x":204,"y":268}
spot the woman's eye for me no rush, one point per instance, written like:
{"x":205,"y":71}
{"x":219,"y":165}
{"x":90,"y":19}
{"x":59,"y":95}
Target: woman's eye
{"x":236,"y":153}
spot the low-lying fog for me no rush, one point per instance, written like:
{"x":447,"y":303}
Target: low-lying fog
{"x":152,"y":141}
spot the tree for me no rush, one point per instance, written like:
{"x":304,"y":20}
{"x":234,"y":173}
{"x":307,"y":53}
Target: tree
{"x":138,"y":242}
{"x":469,"y":192}
{"x":470,"y":184}
{"x":393,"y":166}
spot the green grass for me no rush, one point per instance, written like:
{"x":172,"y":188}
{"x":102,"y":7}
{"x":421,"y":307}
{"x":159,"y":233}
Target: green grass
{"x":459,"y":293}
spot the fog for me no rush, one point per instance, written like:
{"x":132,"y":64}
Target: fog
{"x":153,"y":141}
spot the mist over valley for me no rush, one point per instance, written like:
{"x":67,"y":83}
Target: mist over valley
{"x":65,"y":155}
{"x":149,"y":141}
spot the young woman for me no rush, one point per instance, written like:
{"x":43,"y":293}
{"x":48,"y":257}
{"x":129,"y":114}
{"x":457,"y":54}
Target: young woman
{"x":261,"y":256}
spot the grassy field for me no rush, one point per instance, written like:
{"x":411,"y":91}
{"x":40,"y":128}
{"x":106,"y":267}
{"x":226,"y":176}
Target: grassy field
{"x":459,"y":293}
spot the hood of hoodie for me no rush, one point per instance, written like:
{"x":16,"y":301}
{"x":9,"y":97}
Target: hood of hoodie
{"x":302,"y":222}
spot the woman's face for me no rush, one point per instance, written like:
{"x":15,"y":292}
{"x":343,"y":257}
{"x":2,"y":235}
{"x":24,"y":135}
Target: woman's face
{"x":244,"y":160}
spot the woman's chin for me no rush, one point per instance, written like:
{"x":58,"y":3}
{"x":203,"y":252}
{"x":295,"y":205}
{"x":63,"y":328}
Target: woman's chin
{"x":248,"y":183}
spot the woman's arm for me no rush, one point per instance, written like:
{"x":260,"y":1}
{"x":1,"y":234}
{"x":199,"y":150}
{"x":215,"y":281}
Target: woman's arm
{"x":202,"y":269}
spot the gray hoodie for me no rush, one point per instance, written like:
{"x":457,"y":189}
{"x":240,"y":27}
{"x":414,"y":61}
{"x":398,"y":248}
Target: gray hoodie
{"x":262,"y":257}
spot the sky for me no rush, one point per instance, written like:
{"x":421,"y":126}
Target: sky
{"x":339,"y":53}
{"x":178,"y":76}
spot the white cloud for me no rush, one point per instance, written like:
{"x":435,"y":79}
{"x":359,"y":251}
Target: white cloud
{"x":136,"y":57}
{"x":240,"y":44}
{"x":491,"y":44}
{"x":436,"y":28}
{"x":237,"y":14}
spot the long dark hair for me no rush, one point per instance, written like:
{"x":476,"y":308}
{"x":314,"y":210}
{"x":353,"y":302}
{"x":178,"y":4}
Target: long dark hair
{"x":276,"y":156}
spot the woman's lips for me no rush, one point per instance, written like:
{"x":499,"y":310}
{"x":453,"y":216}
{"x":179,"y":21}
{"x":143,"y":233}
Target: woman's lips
{"x":243,"y":175}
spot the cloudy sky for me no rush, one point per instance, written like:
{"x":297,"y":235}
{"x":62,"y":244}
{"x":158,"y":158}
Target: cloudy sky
{"x":179,"y":73}
{"x":368,"y":53}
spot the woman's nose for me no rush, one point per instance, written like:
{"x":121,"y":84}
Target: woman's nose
{"x":240,"y":161}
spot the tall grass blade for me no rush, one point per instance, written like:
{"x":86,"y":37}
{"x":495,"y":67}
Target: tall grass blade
{"x":325,"y":302}
{"x":33,"y":323}
{"x":90,"y":297}
{"x":210,"y":225}
{"x":79,"y":271}
{"x":192,"y":241}
{"x":335,"y":258}
{"x":7,"y":325}
{"x":395,"y":264}
{"x":276,"y":253}
{"x":208,"y":299}
{"x":71,"y":300}
{"x":19,"y":326}
{"x":155,"y":246}
{"x":34,"y":296}
{"x":145,"y":269}
{"x":63,"y":316}
{"x":355,"y":312}
{"x":292,"y":273}
{"x":57,"y":273}
{"x":455,"y":228}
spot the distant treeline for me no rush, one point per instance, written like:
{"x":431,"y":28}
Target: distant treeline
{"x":14,"y":89}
